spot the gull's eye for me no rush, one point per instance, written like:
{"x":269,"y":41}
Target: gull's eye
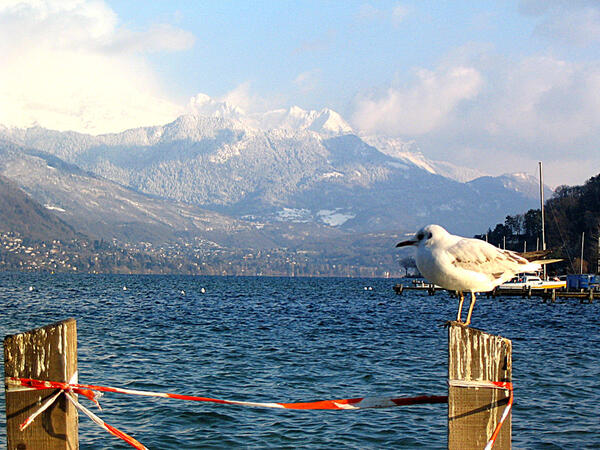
{"x":420,"y":236}
{"x":429,"y":235}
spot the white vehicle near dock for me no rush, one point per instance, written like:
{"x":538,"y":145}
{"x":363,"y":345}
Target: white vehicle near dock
{"x":527,"y":281}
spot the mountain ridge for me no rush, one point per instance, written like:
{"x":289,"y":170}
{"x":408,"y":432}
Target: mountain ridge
{"x":287,"y":172}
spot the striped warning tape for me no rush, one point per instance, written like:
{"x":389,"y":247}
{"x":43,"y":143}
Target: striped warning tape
{"x":90,"y":391}
{"x":19,"y":384}
{"x":348,"y":403}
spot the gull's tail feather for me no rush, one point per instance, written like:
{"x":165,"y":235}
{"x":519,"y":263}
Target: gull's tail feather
{"x":547,"y":261}
{"x":537,"y":256}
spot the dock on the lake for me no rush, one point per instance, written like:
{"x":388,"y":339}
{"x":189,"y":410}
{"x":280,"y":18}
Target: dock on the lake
{"x":430,"y":288}
{"x":550,"y":295}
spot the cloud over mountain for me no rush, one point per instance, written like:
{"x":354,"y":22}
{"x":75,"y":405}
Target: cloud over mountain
{"x":420,"y":106}
{"x":72,"y":65}
{"x":494,"y":87}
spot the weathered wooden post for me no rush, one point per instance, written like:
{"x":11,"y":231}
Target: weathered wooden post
{"x":474,"y":412}
{"x":47,"y":353}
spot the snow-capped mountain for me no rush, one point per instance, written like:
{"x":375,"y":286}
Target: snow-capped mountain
{"x":101,"y":208}
{"x":325,"y":122}
{"x":410,"y":152}
{"x":524,"y":183}
{"x":289,"y":173}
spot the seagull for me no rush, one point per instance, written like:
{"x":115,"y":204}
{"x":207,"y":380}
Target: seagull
{"x":465,"y":265}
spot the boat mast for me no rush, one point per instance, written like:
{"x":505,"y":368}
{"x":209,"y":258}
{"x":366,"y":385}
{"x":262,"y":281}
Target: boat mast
{"x":581,"y":259}
{"x":542,"y":213}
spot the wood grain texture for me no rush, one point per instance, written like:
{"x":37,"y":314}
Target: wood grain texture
{"x":473,"y":413}
{"x":47,"y":353}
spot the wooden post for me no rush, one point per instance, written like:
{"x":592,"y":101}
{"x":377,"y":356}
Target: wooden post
{"x":48,"y":353}
{"x":473,"y":413}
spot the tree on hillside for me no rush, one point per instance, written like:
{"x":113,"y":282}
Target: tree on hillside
{"x":407,"y":264}
{"x":571,"y":211}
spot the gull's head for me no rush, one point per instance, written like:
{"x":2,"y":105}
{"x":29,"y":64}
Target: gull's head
{"x":425,"y":236}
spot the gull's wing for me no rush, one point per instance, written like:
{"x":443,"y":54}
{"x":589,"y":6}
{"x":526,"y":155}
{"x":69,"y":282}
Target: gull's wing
{"x":479,"y":256}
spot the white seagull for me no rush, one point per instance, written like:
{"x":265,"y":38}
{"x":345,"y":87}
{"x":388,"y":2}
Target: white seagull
{"x":465,"y":265}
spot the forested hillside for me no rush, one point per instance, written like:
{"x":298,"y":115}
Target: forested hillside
{"x":572,"y":212}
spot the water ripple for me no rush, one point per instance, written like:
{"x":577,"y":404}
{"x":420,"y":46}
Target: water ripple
{"x":282,"y":339}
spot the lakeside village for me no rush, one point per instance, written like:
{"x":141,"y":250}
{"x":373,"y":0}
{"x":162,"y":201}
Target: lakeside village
{"x":199,"y":257}
{"x":573,"y":231}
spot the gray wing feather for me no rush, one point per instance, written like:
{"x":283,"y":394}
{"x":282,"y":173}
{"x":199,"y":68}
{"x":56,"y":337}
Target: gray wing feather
{"x":479,"y":256}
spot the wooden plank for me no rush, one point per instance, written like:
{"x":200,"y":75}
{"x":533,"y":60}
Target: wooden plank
{"x":48,"y":353}
{"x":473,"y":413}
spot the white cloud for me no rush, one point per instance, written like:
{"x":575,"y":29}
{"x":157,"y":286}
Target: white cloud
{"x":68,"y":65}
{"x":159,"y":37}
{"x":399,"y":13}
{"x":572,"y":22}
{"x":497,"y":114}
{"x":243,"y":97}
{"x":546,"y":100}
{"x":308,"y":81}
{"x":369,"y":13}
{"x":419,"y":107}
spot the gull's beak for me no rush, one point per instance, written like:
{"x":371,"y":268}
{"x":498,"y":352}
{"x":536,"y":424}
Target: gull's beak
{"x":405,"y":243}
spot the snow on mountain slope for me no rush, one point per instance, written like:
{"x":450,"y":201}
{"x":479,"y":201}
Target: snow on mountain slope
{"x":105,"y":209}
{"x":409,"y":151}
{"x":325,"y":121}
{"x":287,"y":165}
{"x":523,"y":183}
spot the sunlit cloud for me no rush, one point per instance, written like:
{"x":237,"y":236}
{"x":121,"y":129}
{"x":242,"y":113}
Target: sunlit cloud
{"x":68,"y":65}
{"x":418,"y":107}
{"x":308,"y":81}
{"x":547,"y":100}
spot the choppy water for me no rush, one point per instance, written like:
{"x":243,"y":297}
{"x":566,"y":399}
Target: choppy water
{"x":284,"y":339}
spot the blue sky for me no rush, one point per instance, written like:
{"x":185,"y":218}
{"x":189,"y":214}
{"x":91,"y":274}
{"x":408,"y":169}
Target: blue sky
{"x":345,"y":47}
{"x":493,"y":85}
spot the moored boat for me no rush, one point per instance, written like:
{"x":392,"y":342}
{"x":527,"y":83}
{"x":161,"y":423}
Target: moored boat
{"x":527,"y":281}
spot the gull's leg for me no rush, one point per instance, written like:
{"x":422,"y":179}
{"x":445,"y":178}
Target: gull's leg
{"x":460,"y":303}
{"x":470,"y":308}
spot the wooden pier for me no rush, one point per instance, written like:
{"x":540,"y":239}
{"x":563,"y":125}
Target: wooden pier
{"x":584,"y":296}
{"x":550,"y":295}
{"x":430,"y":288}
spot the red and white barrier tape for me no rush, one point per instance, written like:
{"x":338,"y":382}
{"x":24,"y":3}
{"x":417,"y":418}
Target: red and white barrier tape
{"x":69,"y":390}
{"x":90,"y":391}
{"x":507,"y":385}
{"x":112,"y":430}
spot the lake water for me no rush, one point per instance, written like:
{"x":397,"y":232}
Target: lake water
{"x":288,"y":339}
